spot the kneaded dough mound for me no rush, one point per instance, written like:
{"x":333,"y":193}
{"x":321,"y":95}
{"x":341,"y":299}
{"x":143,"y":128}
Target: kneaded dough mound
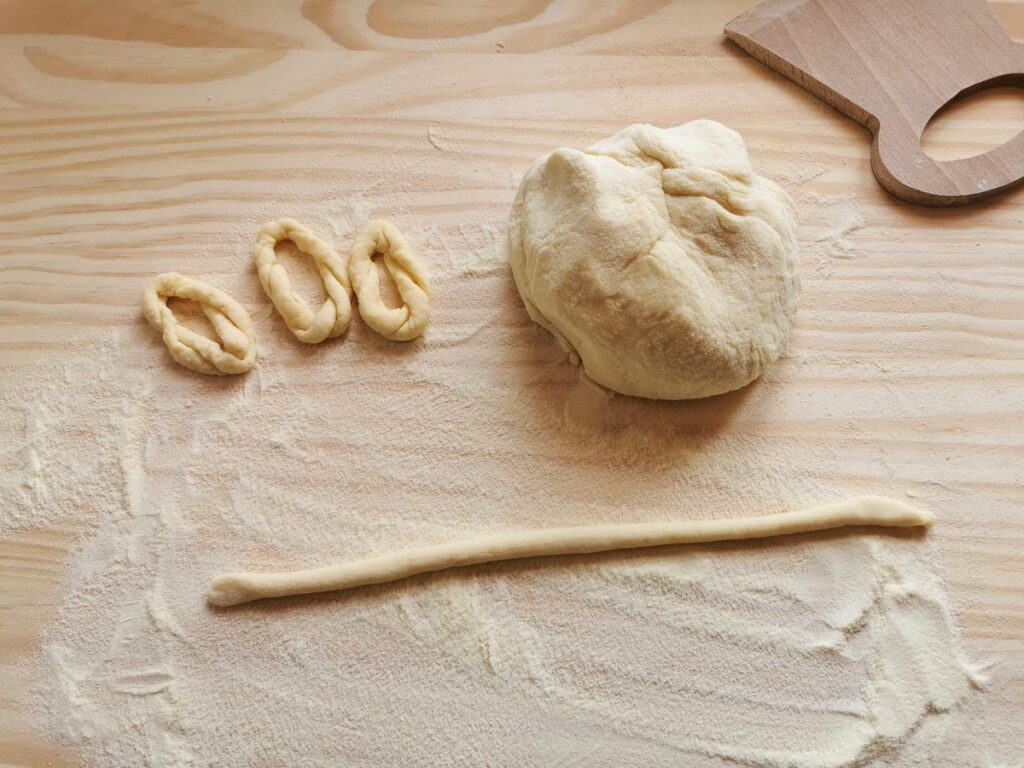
{"x":659,"y":259}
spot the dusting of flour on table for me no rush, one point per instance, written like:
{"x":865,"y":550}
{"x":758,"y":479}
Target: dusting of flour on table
{"x":824,"y":650}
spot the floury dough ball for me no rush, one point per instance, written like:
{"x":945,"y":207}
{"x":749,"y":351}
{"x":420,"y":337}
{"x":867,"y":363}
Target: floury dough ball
{"x":659,"y":259}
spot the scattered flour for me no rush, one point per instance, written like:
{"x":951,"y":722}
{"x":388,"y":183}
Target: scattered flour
{"x":350,"y":218}
{"x":436,"y":138}
{"x":825,"y":651}
{"x":827,"y":221}
{"x":688,"y":639}
{"x":470,"y":251}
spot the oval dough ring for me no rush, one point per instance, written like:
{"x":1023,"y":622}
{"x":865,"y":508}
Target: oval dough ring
{"x":333,"y":317}
{"x":402,"y":323}
{"x":237,"y":351}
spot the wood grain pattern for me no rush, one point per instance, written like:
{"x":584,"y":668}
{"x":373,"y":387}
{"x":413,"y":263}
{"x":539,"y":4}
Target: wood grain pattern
{"x":892,"y":68}
{"x":142,"y":137}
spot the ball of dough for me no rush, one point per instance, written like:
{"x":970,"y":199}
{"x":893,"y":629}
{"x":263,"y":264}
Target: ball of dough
{"x":658,"y":259}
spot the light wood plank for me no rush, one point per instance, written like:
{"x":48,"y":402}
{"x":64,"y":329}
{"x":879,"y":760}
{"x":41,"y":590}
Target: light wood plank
{"x":141,"y":137}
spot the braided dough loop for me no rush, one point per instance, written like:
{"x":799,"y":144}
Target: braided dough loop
{"x":332,"y":318}
{"x":237,"y":351}
{"x":402,"y":323}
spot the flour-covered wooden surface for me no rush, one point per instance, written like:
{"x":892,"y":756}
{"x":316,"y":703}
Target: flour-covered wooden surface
{"x":139,"y":138}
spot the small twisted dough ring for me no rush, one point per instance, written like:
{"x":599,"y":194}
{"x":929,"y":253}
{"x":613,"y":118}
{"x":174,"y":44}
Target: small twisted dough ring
{"x":332,"y":318}
{"x":402,"y":323}
{"x":237,"y":351}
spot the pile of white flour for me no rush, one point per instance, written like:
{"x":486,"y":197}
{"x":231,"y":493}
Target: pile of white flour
{"x":821,"y":651}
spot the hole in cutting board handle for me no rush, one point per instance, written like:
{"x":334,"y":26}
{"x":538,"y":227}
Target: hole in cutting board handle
{"x":977,"y":120}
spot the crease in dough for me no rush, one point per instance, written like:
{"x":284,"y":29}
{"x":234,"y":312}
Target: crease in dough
{"x":234,"y":588}
{"x":333,"y":316}
{"x":401,"y":323}
{"x":237,"y":351}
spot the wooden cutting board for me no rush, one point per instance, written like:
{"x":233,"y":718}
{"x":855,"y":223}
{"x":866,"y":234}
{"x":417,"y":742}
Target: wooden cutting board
{"x":892,"y":67}
{"x":147,"y":136}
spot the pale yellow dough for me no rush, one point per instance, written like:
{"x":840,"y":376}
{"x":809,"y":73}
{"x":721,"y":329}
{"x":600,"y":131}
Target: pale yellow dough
{"x":401,"y":323}
{"x":333,"y":317}
{"x":237,"y":351}
{"x":235,"y":588}
{"x":660,"y":261}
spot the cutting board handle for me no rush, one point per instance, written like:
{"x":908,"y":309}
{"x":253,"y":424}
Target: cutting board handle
{"x":902,"y":166}
{"x":891,"y":66}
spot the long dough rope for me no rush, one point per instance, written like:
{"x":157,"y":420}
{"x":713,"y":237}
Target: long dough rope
{"x":333,"y":317}
{"x":235,"y":588}
{"x":401,"y":323}
{"x":191,"y":349}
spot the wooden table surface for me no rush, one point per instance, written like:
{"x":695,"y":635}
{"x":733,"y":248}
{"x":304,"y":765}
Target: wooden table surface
{"x":133,"y":135}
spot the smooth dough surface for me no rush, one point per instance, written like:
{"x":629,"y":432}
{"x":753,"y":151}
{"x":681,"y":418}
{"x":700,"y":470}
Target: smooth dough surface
{"x":333,"y":317}
{"x":193,"y":350}
{"x":658,"y":259}
{"x":235,"y":588}
{"x":399,"y":323}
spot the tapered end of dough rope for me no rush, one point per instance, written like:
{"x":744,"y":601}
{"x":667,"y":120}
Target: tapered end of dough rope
{"x":228,"y":589}
{"x":881,"y":510}
{"x":924,"y":517}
